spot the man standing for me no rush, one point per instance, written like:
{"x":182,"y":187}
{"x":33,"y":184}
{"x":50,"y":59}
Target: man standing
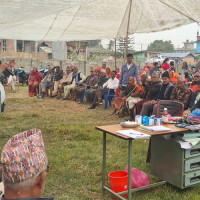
{"x":24,"y":166}
{"x":128,"y":69}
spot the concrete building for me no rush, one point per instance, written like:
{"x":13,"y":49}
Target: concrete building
{"x":188,"y":57}
{"x":7,"y":45}
{"x":140,"y":56}
{"x":188,"y":47}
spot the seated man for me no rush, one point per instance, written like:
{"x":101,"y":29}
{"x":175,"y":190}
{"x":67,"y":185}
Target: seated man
{"x":91,"y":91}
{"x":152,"y":68}
{"x":77,"y":77}
{"x":57,"y":76}
{"x":151,"y":92}
{"x":164,"y":94}
{"x":112,"y":83}
{"x":180,"y":93}
{"x":194,"y":101}
{"x":45,"y":83}
{"x":24,"y":166}
{"x":66,"y":80}
{"x":91,"y":80}
{"x":194,"y":85}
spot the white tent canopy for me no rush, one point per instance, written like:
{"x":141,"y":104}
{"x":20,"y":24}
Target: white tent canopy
{"x":67,"y":20}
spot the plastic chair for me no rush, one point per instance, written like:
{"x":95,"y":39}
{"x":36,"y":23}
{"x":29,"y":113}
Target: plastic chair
{"x":174,"y":108}
{"x":83,"y":93}
{"x":108,"y":98}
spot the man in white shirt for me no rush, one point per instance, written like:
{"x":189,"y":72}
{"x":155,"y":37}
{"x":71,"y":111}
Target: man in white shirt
{"x":77,"y":77}
{"x":112,"y":83}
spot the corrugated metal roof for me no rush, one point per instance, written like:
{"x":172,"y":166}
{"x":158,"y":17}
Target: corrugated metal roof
{"x":175,"y":55}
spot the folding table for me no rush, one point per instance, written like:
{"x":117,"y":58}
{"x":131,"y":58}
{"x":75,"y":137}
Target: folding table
{"x":111,"y":129}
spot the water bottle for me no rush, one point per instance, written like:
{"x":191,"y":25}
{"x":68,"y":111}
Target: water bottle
{"x":165,"y":116}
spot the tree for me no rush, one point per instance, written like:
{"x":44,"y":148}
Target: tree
{"x":111,"y":45}
{"x":94,"y":43}
{"x":161,"y":46}
{"x":121,"y":43}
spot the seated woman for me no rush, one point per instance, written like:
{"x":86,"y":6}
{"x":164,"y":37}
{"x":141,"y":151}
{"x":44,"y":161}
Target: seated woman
{"x":108,"y":72}
{"x":33,"y":81}
{"x":120,"y":102}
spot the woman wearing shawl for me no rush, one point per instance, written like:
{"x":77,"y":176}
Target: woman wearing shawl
{"x":118,"y":70}
{"x":33,"y":81}
{"x":120,"y":102}
{"x":108,"y":72}
{"x":165,"y":65}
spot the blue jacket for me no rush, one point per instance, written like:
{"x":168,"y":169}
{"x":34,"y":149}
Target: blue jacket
{"x":126,"y":74}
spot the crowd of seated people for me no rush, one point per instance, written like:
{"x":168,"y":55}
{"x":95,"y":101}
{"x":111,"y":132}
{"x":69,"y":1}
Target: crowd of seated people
{"x":136,"y":93}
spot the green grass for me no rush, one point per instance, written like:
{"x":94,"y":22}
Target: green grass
{"x":74,"y":147}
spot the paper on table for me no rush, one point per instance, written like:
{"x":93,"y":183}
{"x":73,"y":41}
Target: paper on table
{"x":133,"y":134}
{"x":185,"y":145}
{"x":155,"y":128}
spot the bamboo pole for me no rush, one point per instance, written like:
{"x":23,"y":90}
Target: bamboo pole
{"x":115,"y":54}
{"x":129,"y":15}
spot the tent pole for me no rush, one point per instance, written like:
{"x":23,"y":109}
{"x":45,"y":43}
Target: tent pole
{"x":115,"y":55}
{"x":129,"y":15}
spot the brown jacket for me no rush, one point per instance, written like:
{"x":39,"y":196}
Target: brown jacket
{"x":182,"y":96}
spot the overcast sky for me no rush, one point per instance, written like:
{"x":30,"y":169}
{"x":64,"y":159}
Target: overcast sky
{"x":177,"y":36}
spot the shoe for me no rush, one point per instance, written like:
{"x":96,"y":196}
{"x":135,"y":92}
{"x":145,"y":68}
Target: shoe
{"x":54,"y":95}
{"x":92,"y":107}
{"x":64,"y":98}
{"x":100,"y":101}
{"x":79,"y":102}
{"x":40,"y":97}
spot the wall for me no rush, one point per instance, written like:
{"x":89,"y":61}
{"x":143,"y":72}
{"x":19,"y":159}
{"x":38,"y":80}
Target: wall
{"x":10,"y":45}
{"x":83,"y":66}
{"x":189,"y":60}
{"x":139,"y":57}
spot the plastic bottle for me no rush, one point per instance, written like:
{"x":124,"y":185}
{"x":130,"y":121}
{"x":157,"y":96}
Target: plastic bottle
{"x":165,"y":116}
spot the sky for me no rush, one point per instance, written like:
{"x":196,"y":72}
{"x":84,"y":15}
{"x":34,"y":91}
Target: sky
{"x":177,"y":36}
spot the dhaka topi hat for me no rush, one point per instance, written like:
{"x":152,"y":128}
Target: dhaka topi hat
{"x":23,"y":156}
{"x":181,"y":78}
{"x":165,"y":74}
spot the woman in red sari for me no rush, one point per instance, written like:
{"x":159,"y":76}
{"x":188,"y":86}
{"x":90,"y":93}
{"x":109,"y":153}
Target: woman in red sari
{"x":33,"y":81}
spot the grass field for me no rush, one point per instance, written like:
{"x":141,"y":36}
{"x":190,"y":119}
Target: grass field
{"x":74,"y":147}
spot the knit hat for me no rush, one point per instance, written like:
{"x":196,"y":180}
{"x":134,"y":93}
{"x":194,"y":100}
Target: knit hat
{"x":165,"y":74}
{"x":181,"y":78}
{"x":23,"y":156}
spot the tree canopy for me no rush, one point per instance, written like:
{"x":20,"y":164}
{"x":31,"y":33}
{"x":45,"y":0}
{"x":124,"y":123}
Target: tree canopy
{"x":94,"y":43}
{"x":161,"y":46}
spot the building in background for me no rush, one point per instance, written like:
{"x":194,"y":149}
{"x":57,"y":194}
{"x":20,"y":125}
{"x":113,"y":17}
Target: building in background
{"x":188,"y":57}
{"x":142,"y":56}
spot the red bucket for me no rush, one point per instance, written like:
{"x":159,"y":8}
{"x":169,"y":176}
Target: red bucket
{"x":119,"y":182}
